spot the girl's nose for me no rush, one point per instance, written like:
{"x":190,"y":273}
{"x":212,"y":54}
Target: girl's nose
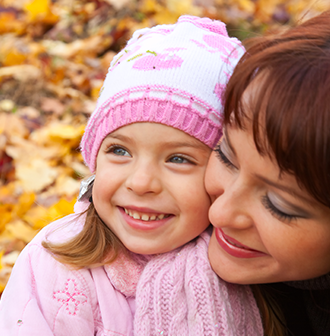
{"x":231,"y":208}
{"x":144,"y":180}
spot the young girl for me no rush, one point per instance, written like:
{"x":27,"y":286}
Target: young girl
{"x":128,"y":255}
{"x":269,"y":179}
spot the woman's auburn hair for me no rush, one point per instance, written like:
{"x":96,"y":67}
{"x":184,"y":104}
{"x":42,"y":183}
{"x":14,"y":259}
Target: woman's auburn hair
{"x":290,"y":115}
{"x":291,"y":107}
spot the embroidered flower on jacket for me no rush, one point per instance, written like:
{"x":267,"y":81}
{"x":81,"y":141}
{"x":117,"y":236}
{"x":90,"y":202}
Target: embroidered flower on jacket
{"x":70,"y":296}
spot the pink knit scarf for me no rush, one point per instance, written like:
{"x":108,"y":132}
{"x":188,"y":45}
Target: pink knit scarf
{"x":179,"y":294}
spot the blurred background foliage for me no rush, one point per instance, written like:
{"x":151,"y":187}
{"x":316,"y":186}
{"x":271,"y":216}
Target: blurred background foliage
{"x":53,"y":58}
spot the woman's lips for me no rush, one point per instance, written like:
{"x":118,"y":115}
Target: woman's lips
{"x":140,"y":223}
{"x":235,"y":248}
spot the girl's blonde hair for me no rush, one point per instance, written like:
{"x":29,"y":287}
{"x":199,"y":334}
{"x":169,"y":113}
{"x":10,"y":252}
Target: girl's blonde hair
{"x":95,"y":245}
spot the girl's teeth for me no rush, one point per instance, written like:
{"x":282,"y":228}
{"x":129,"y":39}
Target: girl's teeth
{"x":136,"y":216}
{"x":143,"y":217}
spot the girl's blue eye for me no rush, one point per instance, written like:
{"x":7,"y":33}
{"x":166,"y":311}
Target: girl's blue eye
{"x":117,"y":150}
{"x":222,"y":157}
{"x":179,"y":159}
{"x":276,"y":212}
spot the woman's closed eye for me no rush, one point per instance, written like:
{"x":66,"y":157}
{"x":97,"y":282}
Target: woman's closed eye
{"x":117,"y":150}
{"x":277,"y":213}
{"x":222,"y":157}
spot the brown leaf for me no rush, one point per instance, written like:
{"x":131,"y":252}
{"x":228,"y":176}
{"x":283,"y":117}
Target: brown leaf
{"x":52,"y":105}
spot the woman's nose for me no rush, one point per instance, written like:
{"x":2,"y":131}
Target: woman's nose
{"x":144,"y":179}
{"x":231,"y":208}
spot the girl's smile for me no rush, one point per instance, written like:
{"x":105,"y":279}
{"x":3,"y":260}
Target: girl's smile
{"x":144,"y":221}
{"x":149,"y":187}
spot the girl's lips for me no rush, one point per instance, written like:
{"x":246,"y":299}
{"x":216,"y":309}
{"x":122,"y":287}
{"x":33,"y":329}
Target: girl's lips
{"x":140,"y":224}
{"x":238,"y":250}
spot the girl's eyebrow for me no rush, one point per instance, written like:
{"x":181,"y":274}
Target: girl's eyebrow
{"x":193,"y":143}
{"x":117,"y":136}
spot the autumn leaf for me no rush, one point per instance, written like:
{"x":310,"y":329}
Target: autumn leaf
{"x":40,"y":10}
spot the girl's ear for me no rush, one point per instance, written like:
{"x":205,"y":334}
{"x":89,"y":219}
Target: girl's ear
{"x":86,"y":187}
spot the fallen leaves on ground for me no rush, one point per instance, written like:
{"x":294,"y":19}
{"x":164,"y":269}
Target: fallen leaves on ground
{"x":54,"y":56}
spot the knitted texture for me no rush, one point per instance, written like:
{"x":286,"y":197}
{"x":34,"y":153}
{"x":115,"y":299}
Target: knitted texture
{"x":319,"y":283}
{"x":168,"y":74}
{"x":125,"y":271}
{"x":179,"y":294}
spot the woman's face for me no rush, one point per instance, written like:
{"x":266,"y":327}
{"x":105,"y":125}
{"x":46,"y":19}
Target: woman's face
{"x":266,"y":228}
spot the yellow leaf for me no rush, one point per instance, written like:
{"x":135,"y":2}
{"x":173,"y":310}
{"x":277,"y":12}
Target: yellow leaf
{"x":266,"y":8}
{"x":1,"y":254}
{"x":151,"y":6}
{"x":13,"y":57}
{"x":10,"y":258}
{"x":2,"y":286}
{"x":4,"y":277}
{"x":35,"y":174}
{"x":21,"y":230}
{"x":67,"y":186}
{"x":183,"y":7}
{"x":96,"y":87}
{"x":66,"y":132}
{"x":25,"y":202}
{"x":248,"y":6}
{"x":37,"y":217}
{"x":37,"y":8}
{"x":6,"y":191}
{"x":166,"y":17}
{"x":6,"y":215}
{"x":62,"y":208}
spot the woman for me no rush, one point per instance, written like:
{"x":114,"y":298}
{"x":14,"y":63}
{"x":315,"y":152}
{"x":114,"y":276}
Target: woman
{"x":269,"y":179}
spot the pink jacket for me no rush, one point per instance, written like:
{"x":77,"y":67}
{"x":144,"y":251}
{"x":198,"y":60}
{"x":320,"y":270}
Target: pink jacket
{"x":177,"y":294}
{"x":44,"y":297}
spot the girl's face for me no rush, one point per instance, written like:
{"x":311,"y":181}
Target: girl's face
{"x":266,"y":228}
{"x":149,"y":187}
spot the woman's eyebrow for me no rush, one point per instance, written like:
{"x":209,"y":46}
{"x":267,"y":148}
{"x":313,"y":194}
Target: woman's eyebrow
{"x":285,"y":188}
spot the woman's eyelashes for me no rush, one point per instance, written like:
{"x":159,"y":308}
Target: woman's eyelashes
{"x":222,"y":157}
{"x":117,"y":150}
{"x":280,"y":215}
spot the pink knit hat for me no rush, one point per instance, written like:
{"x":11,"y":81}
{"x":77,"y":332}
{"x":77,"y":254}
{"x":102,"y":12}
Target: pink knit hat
{"x":168,"y":74}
